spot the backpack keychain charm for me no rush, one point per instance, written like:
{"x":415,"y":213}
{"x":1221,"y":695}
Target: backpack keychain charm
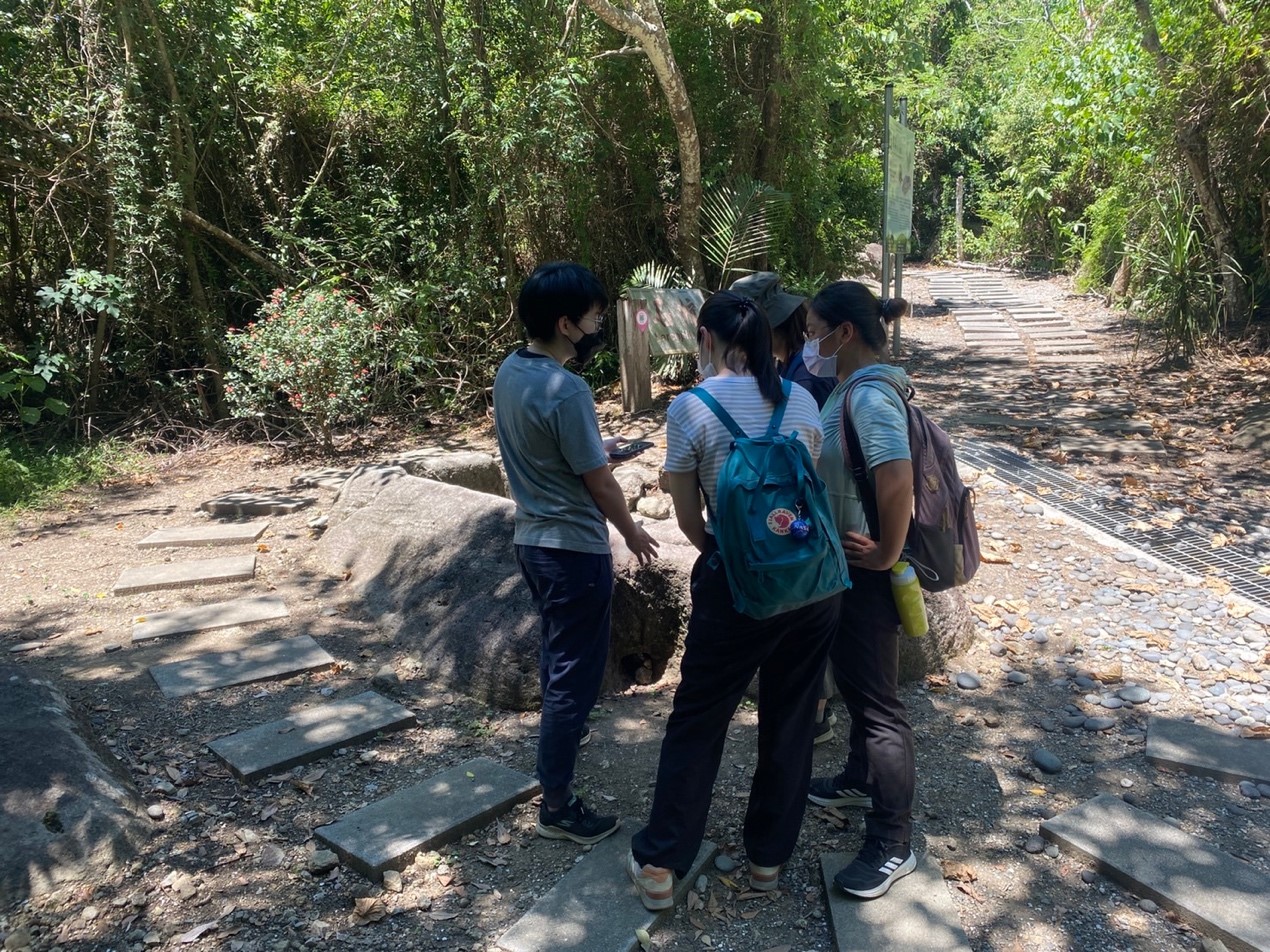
{"x":800,"y":528}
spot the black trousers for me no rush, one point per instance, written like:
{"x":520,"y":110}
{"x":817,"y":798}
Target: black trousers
{"x":865,"y":658}
{"x":722,"y":652}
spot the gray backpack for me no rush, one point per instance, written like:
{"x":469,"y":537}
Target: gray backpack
{"x":943,"y":542}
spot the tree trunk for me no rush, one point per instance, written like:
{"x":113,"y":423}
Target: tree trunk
{"x":643,"y":23}
{"x":185,"y":163}
{"x":434,"y":11}
{"x":1191,"y":136}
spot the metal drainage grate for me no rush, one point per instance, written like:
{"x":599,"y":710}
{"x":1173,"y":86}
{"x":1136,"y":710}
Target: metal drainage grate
{"x":1180,"y":548}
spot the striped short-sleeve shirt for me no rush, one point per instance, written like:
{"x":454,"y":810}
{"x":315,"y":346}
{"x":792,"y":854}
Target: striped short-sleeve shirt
{"x":696,"y":441}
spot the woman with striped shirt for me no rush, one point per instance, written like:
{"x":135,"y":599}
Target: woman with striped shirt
{"x":724,"y":648}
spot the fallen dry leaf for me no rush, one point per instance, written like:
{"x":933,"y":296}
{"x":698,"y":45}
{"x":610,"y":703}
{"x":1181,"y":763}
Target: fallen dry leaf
{"x":970,"y":891}
{"x":1218,"y":540}
{"x":958,"y":871}
{"x":1110,"y":673}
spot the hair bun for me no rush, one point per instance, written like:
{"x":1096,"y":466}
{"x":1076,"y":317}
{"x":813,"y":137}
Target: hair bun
{"x":894,"y":308}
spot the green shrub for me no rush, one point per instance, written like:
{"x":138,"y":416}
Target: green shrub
{"x":306,"y":359}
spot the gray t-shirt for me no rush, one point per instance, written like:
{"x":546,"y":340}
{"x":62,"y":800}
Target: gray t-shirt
{"x":549,"y":436}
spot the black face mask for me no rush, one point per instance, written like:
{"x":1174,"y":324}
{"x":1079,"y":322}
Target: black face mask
{"x":586,"y":347}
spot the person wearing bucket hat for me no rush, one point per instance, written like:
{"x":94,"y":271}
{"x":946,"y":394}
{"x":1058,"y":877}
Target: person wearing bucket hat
{"x":787,"y":317}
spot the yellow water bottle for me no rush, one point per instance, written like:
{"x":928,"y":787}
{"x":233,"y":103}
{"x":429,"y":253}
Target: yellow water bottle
{"x":908,"y":599}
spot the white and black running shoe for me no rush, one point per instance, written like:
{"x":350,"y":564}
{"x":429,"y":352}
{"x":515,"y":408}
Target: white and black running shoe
{"x":878,"y":864}
{"x":828,"y":792}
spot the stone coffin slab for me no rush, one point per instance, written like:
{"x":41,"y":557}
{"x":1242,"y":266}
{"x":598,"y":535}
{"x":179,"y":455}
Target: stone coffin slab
{"x":1212,"y":890}
{"x":309,"y":734}
{"x":388,"y":833}
{"x":436,"y":564}
{"x":151,"y":578}
{"x":222,"y":533}
{"x":243,"y":504}
{"x":68,"y":809}
{"x":1206,"y":751}
{"x":222,"y":669}
{"x":916,"y":913}
{"x":238,"y":611}
{"x":595,"y":907}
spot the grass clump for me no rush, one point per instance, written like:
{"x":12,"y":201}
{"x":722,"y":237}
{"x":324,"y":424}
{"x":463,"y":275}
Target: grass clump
{"x":33,"y":475}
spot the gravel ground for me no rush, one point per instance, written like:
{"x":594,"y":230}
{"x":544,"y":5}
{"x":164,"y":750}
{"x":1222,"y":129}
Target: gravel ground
{"x":1069,"y":626}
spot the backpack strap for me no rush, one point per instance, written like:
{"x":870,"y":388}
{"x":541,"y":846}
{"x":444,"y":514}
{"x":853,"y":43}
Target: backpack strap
{"x":859,"y":468}
{"x":778,"y":415}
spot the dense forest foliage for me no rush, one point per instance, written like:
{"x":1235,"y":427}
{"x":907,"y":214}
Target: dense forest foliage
{"x":310,"y":210}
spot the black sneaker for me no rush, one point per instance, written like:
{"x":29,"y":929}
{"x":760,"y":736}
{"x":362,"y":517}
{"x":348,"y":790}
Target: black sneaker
{"x":824,"y":732}
{"x":878,"y":864}
{"x":575,"y":822}
{"x":825,"y":792}
{"x":586,"y":736}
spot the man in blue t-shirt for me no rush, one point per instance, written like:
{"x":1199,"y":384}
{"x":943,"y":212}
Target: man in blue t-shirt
{"x":557,"y":469}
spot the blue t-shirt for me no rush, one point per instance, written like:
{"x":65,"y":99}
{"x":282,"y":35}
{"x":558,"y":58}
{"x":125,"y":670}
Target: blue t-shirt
{"x":881,"y":422}
{"x":549,"y":435}
{"x":819,"y":387}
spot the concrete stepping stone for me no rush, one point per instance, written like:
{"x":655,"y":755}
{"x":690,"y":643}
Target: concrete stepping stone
{"x":223,"y":669}
{"x":388,"y":833}
{"x":256,"y":504}
{"x":151,"y":578}
{"x":1099,"y":446}
{"x":1216,"y":893}
{"x":594,"y":907}
{"x":309,"y":734}
{"x":916,"y":913}
{"x":1196,"y":749}
{"x":326,"y":478}
{"x":221,"y":533}
{"x":239,"y":611}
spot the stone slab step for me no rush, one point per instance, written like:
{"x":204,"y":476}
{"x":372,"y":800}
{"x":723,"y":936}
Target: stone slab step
{"x":151,"y":578}
{"x":1212,"y":890}
{"x":326,"y":478}
{"x":222,"y":533}
{"x":256,"y":504}
{"x":916,"y":913}
{"x":595,"y":907}
{"x":388,"y":833}
{"x":223,"y":669}
{"x":239,"y":611}
{"x":309,"y":734}
{"x":1097,"y":446}
{"x":1206,"y":751}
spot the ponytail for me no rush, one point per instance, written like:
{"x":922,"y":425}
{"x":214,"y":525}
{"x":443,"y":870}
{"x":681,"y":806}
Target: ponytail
{"x":741,"y":328}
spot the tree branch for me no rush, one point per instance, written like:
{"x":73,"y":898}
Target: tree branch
{"x":194,"y":220}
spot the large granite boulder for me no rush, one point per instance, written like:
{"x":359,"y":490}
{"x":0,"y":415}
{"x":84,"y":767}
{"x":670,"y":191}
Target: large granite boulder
{"x":437,"y":562}
{"x":469,"y":468}
{"x":951,"y":632}
{"x":68,"y":809}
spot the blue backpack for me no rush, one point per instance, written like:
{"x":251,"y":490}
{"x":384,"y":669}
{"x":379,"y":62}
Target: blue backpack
{"x":771,"y":519}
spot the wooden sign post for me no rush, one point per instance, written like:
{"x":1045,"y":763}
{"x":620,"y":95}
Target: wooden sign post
{"x":634,"y":352}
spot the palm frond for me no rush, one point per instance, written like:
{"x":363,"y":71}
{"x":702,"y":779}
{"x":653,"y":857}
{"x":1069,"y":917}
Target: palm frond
{"x":652,"y":274}
{"x":741,"y":220}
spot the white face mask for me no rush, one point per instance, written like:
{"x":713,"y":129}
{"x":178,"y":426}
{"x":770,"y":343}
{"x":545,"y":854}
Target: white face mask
{"x":705,"y":366}
{"x":820,"y":366}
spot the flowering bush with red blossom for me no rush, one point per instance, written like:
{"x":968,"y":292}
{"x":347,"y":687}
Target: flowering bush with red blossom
{"x":307,"y":357}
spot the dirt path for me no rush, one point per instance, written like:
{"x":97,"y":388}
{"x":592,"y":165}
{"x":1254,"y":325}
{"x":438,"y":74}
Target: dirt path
{"x":244,"y":849}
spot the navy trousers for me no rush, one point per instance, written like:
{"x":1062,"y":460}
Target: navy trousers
{"x":722,"y":652}
{"x":573,"y":592}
